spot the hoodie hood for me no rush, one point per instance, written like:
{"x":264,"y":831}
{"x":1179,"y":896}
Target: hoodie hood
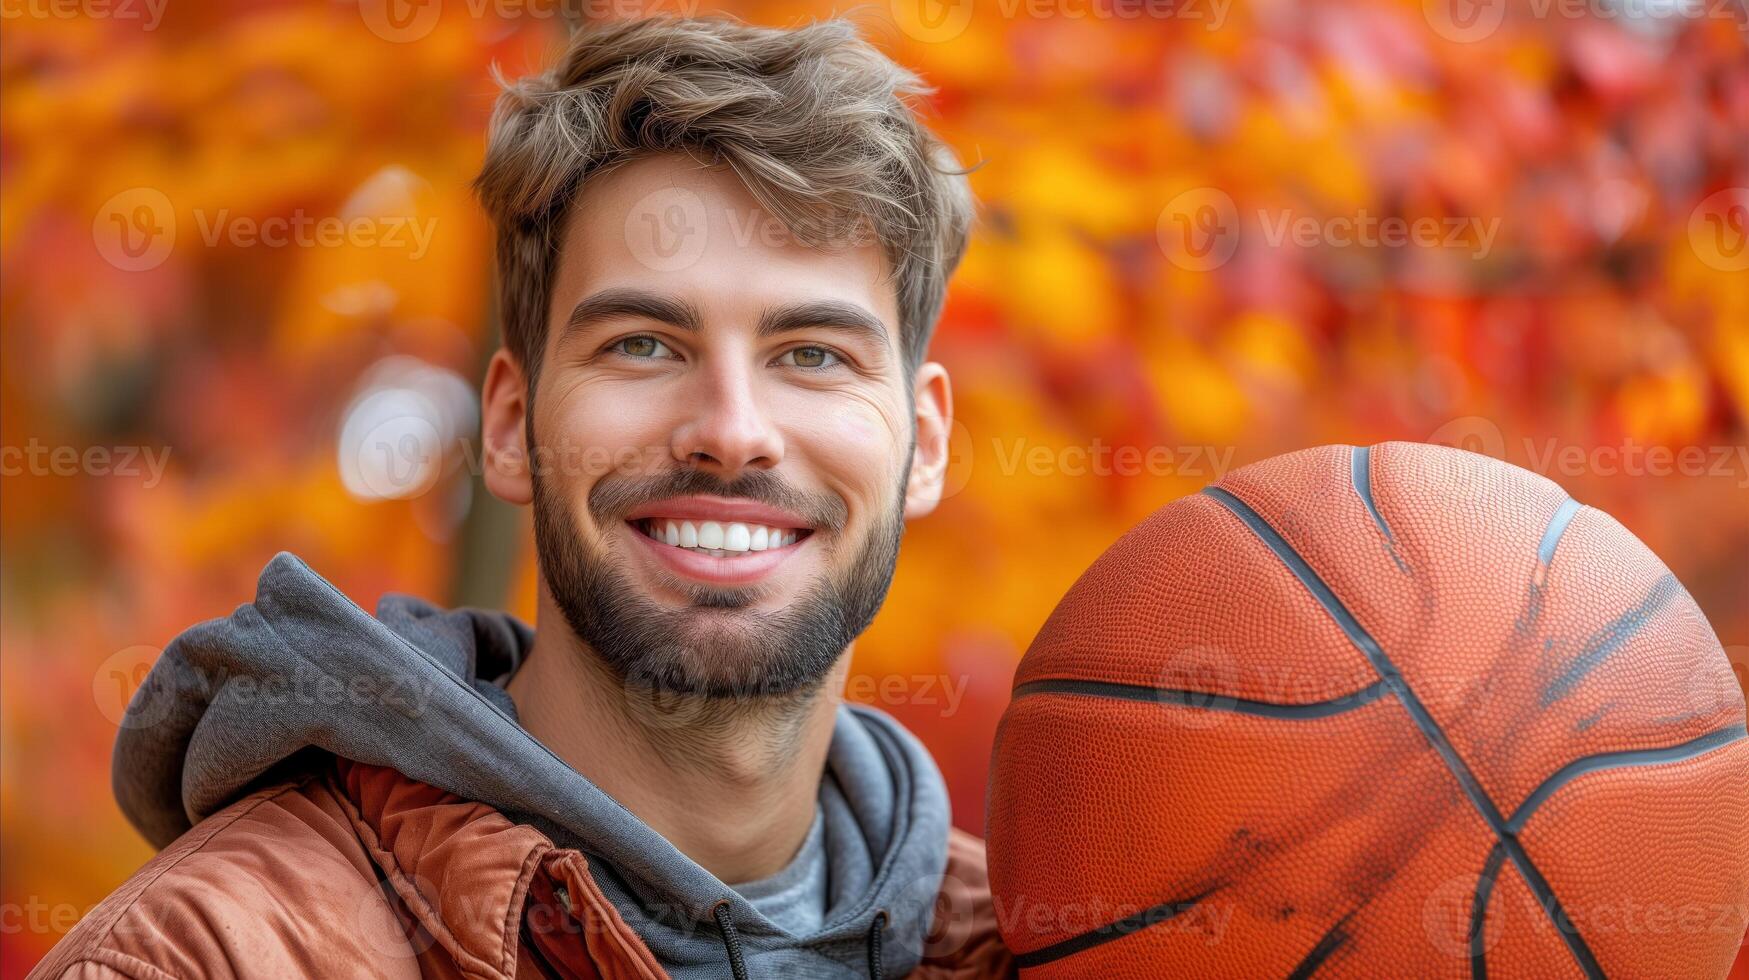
{"x":303,"y":670}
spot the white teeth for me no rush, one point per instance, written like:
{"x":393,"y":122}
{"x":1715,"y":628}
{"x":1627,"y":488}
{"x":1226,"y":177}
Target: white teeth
{"x":710,"y":535}
{"x":737,"y":538}
{"x":720,"y":539}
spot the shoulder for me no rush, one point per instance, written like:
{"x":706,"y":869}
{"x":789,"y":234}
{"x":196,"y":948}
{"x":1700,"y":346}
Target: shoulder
{"x":964,"y":942}
{"x":277,"y":883}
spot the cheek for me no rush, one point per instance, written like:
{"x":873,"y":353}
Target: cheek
{"x":589,"y":431}
{"x":856,"y":445}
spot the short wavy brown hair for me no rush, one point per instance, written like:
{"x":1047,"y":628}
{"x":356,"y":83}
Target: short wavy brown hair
{"x":818,"y":124}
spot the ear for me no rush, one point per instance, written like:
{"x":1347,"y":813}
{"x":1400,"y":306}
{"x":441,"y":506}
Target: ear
{"x":504,"y":430}
{"x":933,"y":396}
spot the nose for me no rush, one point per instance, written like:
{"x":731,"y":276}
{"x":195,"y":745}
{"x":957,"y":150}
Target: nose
{"x":726,"y":429}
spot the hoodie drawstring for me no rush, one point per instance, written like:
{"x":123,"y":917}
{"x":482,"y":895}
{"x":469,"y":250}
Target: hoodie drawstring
{"x":738,"y":964}
{"x":874,"y":945}
{"x":731,"y":940}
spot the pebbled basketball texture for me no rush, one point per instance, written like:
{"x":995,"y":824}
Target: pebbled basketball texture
{"x":1404,"y":711}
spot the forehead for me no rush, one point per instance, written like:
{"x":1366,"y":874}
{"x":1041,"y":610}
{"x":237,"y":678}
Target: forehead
{"x":670,"y":224}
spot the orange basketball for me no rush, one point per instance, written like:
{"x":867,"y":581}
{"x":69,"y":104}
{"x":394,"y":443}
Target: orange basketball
{"x":1398,"y":712}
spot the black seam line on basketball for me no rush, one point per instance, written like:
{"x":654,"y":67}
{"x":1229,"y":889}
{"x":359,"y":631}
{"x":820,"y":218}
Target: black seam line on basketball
{"x":1614,"y":635}
{"x":1360,"y":474}
{"x":1418,"y":712}
{"x":1163,"y":912}
{"x":1327,"y":945}
{"x":1692,"y":749}
{"x":1479,"y":911}
{"x":1206,"y":700}
{"x":1545,"y":549}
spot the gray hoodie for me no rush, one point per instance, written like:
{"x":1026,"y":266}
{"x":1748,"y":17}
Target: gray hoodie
{"x":302,"y":671}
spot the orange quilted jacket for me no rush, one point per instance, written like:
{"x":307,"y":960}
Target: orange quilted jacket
{"x":357,"y":870}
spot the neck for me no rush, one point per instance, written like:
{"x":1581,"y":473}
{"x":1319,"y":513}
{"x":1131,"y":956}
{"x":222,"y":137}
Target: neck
{"x":732,"y":784}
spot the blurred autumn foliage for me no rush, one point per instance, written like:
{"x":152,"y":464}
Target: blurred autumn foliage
{"x":1583,"y":311}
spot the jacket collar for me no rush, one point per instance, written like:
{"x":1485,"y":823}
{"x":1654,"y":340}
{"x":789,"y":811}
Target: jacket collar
{"x":464,"y":872}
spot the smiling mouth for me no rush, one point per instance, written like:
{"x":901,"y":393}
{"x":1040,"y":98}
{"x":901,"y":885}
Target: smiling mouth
{"x":719,"y":539}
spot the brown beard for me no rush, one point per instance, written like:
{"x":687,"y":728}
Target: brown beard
{"x":708,"y":649}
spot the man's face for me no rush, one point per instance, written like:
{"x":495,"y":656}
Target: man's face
{"x":723,"y":436}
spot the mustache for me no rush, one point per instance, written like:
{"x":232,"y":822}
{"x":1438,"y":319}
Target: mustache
{"x":613,"y":496}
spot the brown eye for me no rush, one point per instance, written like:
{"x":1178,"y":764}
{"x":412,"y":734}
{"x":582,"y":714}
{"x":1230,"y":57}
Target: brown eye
{"x":812,"y":357}
{"x":642,"y":347}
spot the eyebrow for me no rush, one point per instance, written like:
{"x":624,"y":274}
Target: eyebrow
{"x":832,"y":314}
{"x":628,"y":303}
{"x":616,"y":304}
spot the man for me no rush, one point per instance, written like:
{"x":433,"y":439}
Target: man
{"x":722,"y":250}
